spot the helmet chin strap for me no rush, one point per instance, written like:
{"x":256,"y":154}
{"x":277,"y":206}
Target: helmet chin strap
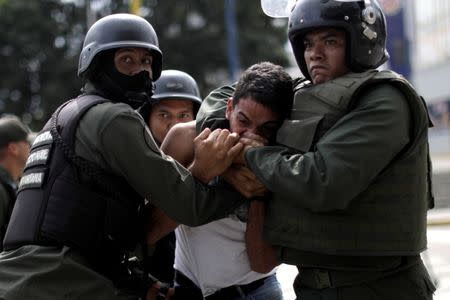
{"x":133,"y":90}
{"x":137,"y":99}
{"x":117,"y":93}
{"x":137,"y":89}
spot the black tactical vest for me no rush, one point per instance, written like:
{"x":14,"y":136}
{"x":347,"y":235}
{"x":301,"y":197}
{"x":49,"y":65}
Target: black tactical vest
{"x":64,"y":199}
{"x":389,"y":217}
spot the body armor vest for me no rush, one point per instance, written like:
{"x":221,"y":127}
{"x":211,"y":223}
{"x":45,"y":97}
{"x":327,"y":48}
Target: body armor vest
{"x":64,"y":199}
{"x":389,"y":217}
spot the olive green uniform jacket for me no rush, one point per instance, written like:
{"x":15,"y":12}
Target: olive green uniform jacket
{"x":116,"y":138}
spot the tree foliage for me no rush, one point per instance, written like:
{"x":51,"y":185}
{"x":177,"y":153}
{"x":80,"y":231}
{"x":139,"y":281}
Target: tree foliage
{"x":40,"y":42}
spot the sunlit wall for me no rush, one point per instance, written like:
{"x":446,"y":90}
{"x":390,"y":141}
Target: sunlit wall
{"x":431,"y":65}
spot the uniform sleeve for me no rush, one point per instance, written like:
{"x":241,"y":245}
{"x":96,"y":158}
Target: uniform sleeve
{"x":212,"y":111}
{"x":129,"y":149}
{"x":346,"y":159}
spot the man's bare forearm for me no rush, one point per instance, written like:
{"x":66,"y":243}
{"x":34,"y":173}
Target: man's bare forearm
{"x":159,"y":225}
{"x":261,"y":255}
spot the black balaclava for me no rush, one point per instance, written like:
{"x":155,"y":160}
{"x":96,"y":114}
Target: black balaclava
{"x":133,"y":90}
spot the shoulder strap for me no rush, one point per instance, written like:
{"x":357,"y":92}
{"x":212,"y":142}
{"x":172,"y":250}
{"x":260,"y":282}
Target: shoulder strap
{"x":63,"y":125}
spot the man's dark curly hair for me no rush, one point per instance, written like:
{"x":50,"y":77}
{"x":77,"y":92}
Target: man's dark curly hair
{"x":268,"y":84}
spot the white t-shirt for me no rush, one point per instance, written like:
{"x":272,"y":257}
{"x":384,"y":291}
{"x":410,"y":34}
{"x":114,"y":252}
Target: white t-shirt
{"x":214,"y":255}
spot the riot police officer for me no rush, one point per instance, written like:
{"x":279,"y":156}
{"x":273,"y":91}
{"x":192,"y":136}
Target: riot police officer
{"x":176,"y":99}
{"x":80,"y":200}
{"x":351,"y":176}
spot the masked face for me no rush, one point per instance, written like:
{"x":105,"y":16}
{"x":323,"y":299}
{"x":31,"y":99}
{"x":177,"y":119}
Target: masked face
{"x":123,"y":75}
{"x":133,"y":69}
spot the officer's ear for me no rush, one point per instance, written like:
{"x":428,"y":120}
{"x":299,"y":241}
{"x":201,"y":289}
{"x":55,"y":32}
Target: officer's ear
{"x":12,"y":148}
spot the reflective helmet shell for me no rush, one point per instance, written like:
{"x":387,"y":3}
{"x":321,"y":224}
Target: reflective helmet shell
{"x":363,"y":22}
{"x":176,"y":84}
{"x":118,"y":31}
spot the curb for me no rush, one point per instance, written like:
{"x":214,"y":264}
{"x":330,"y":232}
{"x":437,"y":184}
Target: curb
{"x":438,"y":222}
{"x":437,"y":217}
{"x":440,"y":162}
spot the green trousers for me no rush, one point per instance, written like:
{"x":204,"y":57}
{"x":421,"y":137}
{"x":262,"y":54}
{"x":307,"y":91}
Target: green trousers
{"x":413,"y":283}
{"x":51,"y":273}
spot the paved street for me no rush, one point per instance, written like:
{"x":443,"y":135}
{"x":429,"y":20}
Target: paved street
{"x":438,"y":256}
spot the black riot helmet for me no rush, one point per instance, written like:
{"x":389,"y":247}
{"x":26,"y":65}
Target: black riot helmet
{"x":119,"y":31}
{"x":362,"y":20}
{"x":174,"y":84}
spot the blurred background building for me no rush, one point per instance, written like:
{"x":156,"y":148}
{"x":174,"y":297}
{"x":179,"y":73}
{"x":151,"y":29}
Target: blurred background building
{"x":419,"y":45}
{"x":432,"y":66}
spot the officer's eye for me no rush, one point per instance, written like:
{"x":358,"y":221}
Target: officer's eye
{"x":330,"y":42}
{"x":307,"y":44}
{"x":147,"y":60}
{"x":163,"y":115}
{"x":185,"y":115}
{"x":126,"y":59}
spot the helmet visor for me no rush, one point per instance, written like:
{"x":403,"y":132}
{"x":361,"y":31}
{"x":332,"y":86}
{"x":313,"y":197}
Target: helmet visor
{"x":283,"y":8}
{"x":277,"y":8}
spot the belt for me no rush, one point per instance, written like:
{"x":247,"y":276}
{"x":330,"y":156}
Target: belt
{"x":318,"y":278}
{"x":236,"y":291}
